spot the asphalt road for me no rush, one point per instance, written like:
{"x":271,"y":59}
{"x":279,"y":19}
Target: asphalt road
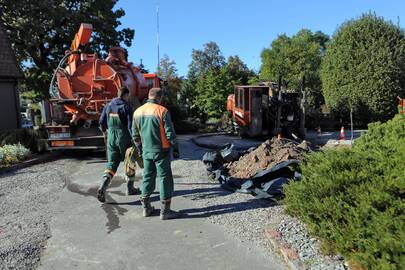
{"x":89,"y":235}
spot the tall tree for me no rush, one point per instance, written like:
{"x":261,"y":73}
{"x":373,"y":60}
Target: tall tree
{"x":363,"y":68}
{"x":237,"y":70}
{"x":168,"y":72}
{"x":295,"y":57}
{"x":322,"y":39}
{"x":167,"y":68}
{"x":211,"y":79}
{"x":172,"y":86}
{"x":202,"y":60}
{"x":212,"y":90}
{"x":41,"y":32}
{"x":274,"y":59}
{"x":209,"y":58}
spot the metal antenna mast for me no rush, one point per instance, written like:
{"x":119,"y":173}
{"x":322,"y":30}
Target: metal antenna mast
{"x":157,"y":37}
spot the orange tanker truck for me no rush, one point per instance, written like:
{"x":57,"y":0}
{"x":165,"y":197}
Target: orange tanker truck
{"x":80,"y":88}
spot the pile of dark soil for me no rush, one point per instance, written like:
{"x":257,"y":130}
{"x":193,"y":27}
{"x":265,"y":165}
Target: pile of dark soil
{"x":266,"y":155}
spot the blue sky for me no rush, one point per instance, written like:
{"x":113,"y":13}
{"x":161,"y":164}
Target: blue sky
{"x":238,"y":27}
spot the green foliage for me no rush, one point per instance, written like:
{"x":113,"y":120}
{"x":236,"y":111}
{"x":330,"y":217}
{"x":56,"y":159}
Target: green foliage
{"x":213,"y":90}
{"x":253,"y":80}
{"x":41,"y":32}
{"x":295,"y":57}
{"x":203,"y":60}
{"x":210,"y":58}
{"x":354,"y":199}
{"x":172,"y":82}
{"x":363,"y":68}
{"x":29,"y":138}
{"x":172,"y":88}
{"x":167,"y":68}
{"x":210,"y":80}
{"x":10,"y":154}
{"x":238,"y":72}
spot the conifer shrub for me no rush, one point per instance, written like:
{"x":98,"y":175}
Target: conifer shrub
{"x":354,"y":199}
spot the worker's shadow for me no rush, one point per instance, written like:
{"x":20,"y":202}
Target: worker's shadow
{"x":111,"y":208}
{"x":219,"y":209}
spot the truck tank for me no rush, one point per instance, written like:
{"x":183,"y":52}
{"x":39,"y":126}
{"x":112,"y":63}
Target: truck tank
{"x":80,"y":88}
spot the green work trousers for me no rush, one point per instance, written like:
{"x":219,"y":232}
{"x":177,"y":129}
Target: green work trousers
{"x":157,"y":164}
{"x":118,"y":141}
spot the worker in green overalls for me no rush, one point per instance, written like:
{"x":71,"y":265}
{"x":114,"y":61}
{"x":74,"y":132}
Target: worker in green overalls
{"x":154,"y":137}
{"x":115,"y":123}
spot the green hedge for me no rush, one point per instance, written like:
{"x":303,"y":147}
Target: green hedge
{"x":354,"y":199}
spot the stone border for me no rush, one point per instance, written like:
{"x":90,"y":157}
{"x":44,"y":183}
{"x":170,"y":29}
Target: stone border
{"x":33,"y":160}
{"x":288,"y":253}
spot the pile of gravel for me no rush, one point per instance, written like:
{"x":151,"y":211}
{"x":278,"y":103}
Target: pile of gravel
{"x":26,"y":201}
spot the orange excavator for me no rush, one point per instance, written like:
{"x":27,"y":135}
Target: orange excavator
{"x":266,"y":110}
{"x":82,"y":85}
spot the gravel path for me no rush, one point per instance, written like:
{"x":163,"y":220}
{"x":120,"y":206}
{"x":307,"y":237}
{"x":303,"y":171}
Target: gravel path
{"x":27,"y":197}
{"x":246,"y":217}
{"x":26,"y":201}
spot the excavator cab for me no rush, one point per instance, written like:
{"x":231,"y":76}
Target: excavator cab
{"x":260,"y":110}
{"x":247,"y":111}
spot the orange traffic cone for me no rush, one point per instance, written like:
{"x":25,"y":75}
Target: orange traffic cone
{"x":342,"y":133}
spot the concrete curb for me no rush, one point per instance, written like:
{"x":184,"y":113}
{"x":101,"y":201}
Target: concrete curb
{"x":209,"y":145}
{"x":288,"y":254}
{"x":33,"y":160}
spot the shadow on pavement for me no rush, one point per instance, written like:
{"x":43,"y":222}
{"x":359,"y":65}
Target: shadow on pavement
{"x":111,"y":208}
{"x":208,"y":193}
{"x":223,"y":209}
{"x":112,"y":211}
{"x":96,"y":161}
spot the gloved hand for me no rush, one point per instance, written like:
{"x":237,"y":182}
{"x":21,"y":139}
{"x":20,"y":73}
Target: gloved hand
{"x":138,"y":147}
{"x":176,"y":154}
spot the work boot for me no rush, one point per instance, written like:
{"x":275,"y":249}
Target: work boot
{"x":166,"y":212}
{"x":147,"y":208}
{"x":132,"y":190}
{"x":103,"y":187}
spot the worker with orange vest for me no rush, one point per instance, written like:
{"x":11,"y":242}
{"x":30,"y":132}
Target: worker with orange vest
{"x":154,"y":137}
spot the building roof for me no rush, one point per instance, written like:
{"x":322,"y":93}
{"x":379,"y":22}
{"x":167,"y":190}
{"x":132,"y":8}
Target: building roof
{"x":8,"y":64}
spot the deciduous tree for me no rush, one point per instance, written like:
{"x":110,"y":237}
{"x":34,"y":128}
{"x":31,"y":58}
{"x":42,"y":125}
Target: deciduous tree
{"x":364,"y":68}
{"x":295,"y":57}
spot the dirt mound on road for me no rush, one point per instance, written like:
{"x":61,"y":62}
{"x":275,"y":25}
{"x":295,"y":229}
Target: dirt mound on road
{"x":266,"y":155}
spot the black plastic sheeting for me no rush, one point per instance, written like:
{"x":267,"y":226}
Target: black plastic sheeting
{"x":214,"y":160}
{"x":266,"y":184}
